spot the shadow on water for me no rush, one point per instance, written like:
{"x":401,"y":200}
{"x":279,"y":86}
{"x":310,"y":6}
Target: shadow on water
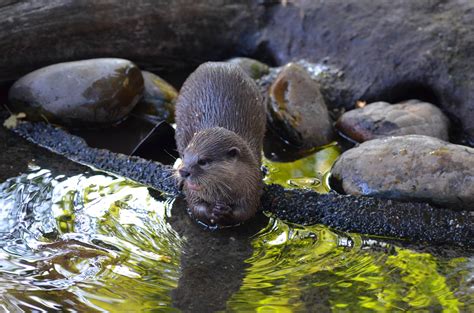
{"x":213,"y":263}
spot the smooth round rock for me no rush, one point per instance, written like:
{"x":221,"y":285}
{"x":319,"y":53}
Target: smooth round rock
{"x":255,"y":69}
{"x":297,"y":111}
{"x":158,"y":99}
{"x":382,"y":119}
{"x":79,"y":94}
{"x":412,"y":167}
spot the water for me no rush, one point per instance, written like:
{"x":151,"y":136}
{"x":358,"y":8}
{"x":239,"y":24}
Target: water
{"x":97,"y":242}
{"x":90,"y":241}
{"x":311,"y":172}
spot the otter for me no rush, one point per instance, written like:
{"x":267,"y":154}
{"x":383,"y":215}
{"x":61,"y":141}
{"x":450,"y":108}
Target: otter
{"x":220,"y":124}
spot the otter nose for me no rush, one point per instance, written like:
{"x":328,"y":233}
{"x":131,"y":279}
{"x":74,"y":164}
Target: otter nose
{"x":184,"y":173}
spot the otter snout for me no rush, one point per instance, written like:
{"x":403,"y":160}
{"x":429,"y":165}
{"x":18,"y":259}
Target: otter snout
{"x":184,"y":172}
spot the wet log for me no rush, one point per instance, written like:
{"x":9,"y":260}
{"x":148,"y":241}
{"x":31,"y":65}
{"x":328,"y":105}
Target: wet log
{"x":415,"y":222}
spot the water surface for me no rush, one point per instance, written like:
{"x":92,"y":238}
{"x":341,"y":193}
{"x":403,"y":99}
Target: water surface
{"x":98,"y":242}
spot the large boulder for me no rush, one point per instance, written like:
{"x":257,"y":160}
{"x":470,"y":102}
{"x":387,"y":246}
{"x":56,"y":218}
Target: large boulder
{"x":90,"y":92}
{"x":413,"y":167}
{"x":388,"y":50}
{"x":382,"y":119}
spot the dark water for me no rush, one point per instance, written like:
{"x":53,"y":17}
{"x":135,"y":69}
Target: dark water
{"x":96,"y":242}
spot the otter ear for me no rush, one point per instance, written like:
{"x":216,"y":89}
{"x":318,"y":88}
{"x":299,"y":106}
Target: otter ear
{"x":233,"y":152}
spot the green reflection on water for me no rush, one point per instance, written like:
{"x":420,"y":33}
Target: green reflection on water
{"x":296,"y":268}
{"x":310,"y":172}
{"x":95,"y":242}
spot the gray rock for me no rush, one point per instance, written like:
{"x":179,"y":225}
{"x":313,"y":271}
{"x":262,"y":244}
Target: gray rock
{"x":297,"y":111}
{"x":81,"y":93}
{"x":412,"y":167}
{"x":158,"y":98}
{"x":253,"y":68}
{"x":382,"y":119}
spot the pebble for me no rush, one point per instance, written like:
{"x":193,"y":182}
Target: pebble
{"x":158,"y":100}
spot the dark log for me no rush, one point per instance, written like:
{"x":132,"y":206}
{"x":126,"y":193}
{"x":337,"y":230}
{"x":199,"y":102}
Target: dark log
{"x":156,"y":34}
{"x":415,"y":222}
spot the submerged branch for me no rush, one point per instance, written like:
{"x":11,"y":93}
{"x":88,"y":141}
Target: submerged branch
{"x":147,"y":172}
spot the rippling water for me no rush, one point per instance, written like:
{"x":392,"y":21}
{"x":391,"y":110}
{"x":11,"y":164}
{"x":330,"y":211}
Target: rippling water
{"x":83,"y":242}
{"x":96,"y":242}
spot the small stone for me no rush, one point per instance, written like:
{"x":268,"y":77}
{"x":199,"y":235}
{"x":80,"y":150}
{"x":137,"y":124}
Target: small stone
{"x":297,"y":111}
{"x":83,"y":93}
{"x":255,"y":69}
{"x":412,"y":167}
{"x":158,"y":98}
{"x":12,"y":121}
{"x":382,"y":119}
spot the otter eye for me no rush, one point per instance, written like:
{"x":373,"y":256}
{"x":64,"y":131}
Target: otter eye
{"x":204,"y":161}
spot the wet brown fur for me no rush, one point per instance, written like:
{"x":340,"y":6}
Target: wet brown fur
{"x":220,"y":109}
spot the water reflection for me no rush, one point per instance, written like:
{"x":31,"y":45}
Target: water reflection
{"x":212,"y":263}
{"x":97,"y":242}
{"x":311,"y":172}
{"x":314,"y":269}
{"x":93,"y":241}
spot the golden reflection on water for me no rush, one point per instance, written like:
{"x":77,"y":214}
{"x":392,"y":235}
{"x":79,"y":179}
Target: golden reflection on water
{"x":95,"y":242}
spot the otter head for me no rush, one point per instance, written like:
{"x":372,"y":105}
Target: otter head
{"x":218,"y":165}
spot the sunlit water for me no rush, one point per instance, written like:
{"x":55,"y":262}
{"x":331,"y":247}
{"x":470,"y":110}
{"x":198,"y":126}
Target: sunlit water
{"x":96,"y":242}
{"x":83,"y":242}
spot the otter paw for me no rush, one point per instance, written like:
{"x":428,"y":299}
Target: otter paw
{"x":222,"y":214}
